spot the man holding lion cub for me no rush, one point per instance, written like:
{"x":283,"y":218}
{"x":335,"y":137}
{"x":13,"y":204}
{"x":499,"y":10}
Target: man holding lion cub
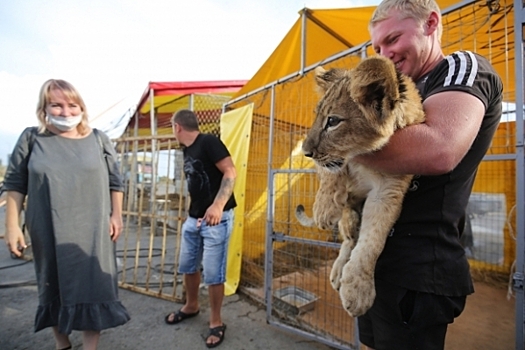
{"x":422,"y":276}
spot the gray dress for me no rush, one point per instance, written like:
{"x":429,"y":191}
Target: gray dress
{"x":68,"y":208}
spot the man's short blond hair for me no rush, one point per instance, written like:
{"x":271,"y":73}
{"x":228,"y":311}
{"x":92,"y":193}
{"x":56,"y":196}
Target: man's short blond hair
{"x":416,"y":9}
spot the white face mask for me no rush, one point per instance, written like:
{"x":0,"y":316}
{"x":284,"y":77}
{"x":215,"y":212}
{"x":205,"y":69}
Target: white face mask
{"x":64,"y":123}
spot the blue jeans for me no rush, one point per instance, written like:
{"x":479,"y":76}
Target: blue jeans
{"x":206,"y":245}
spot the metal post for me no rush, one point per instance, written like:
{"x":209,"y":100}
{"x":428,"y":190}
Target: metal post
{"x":268,"y":255}
{"x":153,"y":128}
{"x":303,"y":39}
{"x":519,"y":26}
{"x":133,"y":170}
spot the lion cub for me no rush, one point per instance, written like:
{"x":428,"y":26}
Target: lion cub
{"x":359,"y":111}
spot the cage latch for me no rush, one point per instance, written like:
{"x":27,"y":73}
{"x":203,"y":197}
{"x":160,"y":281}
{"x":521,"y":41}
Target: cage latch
{"x":278,"y":237}
{"x":517,"y":280}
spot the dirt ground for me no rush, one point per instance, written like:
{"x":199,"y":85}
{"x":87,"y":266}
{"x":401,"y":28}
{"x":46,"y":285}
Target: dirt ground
{"x":487,"y":323}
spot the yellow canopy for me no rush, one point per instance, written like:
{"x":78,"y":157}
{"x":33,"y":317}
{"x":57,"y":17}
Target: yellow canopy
{"x":329,"y":32}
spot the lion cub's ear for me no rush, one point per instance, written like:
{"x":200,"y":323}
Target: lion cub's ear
{"x":375,"y":84}
{"x":326,"y":78}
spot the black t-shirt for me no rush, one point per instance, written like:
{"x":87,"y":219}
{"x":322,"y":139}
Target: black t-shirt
{"x":203,"y":177}
{"x":423,"y":251}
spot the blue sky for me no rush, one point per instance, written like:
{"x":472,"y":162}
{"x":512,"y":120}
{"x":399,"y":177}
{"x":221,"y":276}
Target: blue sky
{"x":111,"y":49}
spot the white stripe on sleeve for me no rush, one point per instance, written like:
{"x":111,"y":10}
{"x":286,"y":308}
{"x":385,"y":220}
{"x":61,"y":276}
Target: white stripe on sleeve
{"x":462,"y":68}
{"x":451,"y":69}
{"x":473,"y":70}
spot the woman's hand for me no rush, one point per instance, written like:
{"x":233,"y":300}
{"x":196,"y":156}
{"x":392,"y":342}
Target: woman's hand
{"x":115,"y":221}
{"x":14,"y":239}
{"x":115,"y":227}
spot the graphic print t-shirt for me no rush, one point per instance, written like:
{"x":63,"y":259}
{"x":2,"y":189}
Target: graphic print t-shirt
{"x":202,"y":176}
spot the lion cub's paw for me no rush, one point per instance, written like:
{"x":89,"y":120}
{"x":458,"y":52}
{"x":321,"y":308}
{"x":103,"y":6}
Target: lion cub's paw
{"x":357,"y":291}
{"x":327,"y":218}
{"x":335,"y":274}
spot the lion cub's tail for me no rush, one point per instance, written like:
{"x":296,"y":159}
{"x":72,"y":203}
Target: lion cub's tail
{"x":303,"y":219}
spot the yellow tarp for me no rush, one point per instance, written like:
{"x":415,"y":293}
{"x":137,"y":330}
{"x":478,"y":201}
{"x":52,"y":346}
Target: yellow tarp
{"x":235,"y":133}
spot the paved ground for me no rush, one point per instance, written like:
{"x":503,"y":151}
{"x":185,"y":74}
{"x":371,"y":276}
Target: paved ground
{"x":247,"y":328}
{"x":246,"y":321}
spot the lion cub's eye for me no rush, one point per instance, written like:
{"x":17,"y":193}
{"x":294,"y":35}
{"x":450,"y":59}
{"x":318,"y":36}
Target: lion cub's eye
{"x":332,"y":121}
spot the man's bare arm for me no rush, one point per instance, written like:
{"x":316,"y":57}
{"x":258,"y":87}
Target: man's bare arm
{"x":435,"y":147}
{"x":228,"y":180}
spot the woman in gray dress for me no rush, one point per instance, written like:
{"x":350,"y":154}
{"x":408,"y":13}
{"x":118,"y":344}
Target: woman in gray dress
{"x":73,"y":214}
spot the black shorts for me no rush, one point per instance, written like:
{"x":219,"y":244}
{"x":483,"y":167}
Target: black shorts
{"x":404,"y":319}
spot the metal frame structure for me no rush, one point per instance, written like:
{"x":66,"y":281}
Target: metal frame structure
{"x":518,"y":278}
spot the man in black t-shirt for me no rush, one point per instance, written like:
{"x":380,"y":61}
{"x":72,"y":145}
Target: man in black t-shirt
{"x":210,"y":175}
{"x":422,"y":276}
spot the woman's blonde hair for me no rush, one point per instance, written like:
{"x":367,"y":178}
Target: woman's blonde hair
{"x":71,"y":93}
{"x":416,"y":9}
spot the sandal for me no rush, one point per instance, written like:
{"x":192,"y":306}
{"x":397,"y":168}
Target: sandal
{"x":216,"y":332}
{"x":179,"y":316}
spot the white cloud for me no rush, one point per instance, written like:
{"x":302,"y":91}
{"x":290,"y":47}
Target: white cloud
{"x":18,"y":98}
{"x":111,"y":49}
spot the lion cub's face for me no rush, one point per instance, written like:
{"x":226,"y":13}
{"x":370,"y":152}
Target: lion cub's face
{"x":358,"y":111}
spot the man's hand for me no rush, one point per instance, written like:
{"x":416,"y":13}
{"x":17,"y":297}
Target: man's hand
{"x":213,"y":215}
